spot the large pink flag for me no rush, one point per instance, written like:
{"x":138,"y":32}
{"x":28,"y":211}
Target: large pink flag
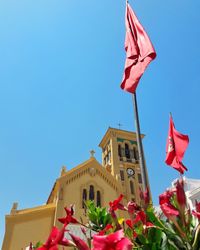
{"x":139,"y":51}
{"x":175,"y":149}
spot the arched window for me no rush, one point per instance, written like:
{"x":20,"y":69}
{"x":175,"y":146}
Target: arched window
{"x":139,"y":178}
{"x":122,"y":174}
{"x":137,"y":154}
{"x":84,"y":197}
{"x":109,"y":155}
{"x":91,"y":193}
{"x":119,"y":151}
{"x":132,"y":187}
{"x":127,"y":152}
{"x":98,"y":199}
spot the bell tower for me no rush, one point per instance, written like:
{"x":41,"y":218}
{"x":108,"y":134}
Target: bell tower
{"x":120,"y":158}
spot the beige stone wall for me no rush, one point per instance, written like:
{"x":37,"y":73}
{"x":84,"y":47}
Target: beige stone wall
{"x":28,"y":226}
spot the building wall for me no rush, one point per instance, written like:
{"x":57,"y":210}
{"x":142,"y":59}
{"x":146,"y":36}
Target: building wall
{"x":28,"y":226}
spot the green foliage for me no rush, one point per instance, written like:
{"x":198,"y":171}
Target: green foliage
{"x":179,"y":230}
{"x":37,"y":245}
{"x":98,"y":217}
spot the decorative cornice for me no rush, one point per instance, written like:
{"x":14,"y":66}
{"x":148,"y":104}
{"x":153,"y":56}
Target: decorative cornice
{"x":92,"y":167}
{"x":119,"y":133}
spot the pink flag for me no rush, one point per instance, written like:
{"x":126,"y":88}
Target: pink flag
{"x":175,"y":149}
{"x":139,"y":51}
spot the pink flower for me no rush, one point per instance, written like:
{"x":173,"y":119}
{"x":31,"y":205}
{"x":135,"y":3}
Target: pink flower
{"x":116,"y":204}
{"x":166,"y":196}
{"x":181,"y":198}
{"x":145,"y":197}
{"x":108,"y":227}
{"x":56,"y":238}
{"x":140,"y":217}
{"x":114,"y":241}
{"x":132,"y":207}
{"x":80,"y":244}
{"x":197,"y":212}
{"x":130,"y":223}
{"x":31,"y":246}
{"x":83,"y":230}
{"x":69,"y":218}
{"x":197,"y":204}
{"x":169,"y":211}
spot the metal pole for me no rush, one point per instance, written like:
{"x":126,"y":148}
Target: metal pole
{"x":139,"y":144}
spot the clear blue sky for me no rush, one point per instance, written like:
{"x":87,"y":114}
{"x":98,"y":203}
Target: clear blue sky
{"x":61,"y":63}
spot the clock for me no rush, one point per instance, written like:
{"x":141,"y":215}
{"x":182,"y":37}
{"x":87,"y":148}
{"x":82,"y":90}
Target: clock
{"x":130,"y":172}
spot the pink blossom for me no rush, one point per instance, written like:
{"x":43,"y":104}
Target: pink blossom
{"x":197,"y":205}
{"x":145,"y":197}
{"x":80,"y":244}
{"x":169,"y":211}
{"x":197,"y":212}
{"x":114,"y":241}
{"x":181,"y":198}
{"x":166,"y":196}
{"x":140,"y":217}
{"x":132,"y":207}
{"x":108,"y":227}
{"x":69,"y":218}
{"x":116,"y":204}
{"x":56,"y":238}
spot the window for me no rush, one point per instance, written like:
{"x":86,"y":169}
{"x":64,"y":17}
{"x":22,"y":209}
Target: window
{"x":98,"y":199}
{"x":127,"y":152}
{"x":134,"y":153}
{"x":139,"y":178}
{"x":84,"y":197}
{"x":132,"y":187}
{"x":137,"y":154}
{"x":91,"y":193}
{"x":109,"y":156}
{"x":122,"y":174}
{"x":119,"y":151}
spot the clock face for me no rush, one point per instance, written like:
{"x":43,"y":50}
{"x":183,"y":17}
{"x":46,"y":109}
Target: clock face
{"x":130,"y":171}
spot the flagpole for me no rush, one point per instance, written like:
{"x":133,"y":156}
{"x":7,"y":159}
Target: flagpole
{"x":139,"y":144}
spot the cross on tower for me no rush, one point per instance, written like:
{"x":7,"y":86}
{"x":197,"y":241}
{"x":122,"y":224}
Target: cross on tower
{"x":92,"y":152}
{"x":120,"y":125}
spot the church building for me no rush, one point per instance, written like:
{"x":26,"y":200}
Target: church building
{"x":118,"y":174}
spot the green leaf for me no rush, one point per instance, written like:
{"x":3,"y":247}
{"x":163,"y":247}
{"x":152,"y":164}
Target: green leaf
{"x":139,"y":229}
{"x":129,"y":233}
{"x":142,"y":239}
{"x":153,"y":218}
{"x":38,"y":244}
{"x":154,"y":235}
{"x":196,"y":243}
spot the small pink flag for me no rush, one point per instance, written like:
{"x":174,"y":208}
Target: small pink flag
{"x":139,"y":51}
{"x":175,"y":149}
